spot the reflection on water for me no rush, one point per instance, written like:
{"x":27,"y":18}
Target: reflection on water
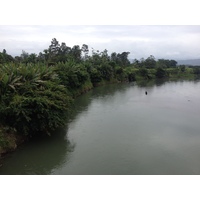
{"x":39,"y":156}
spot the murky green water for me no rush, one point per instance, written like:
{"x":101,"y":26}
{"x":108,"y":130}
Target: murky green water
{"x":117,"y":129}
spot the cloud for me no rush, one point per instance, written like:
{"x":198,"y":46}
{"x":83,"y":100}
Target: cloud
{"x":172,"y":42}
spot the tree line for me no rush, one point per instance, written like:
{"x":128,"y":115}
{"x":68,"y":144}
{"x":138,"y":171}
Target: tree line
{"x":37,"y":91}
{"x":62,"y":53}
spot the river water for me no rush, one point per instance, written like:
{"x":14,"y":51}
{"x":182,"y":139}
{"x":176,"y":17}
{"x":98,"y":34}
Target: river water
{"x":118,"y":129}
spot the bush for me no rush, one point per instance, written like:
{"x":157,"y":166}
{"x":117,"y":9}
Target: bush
{"x":72,"y":75}
{"x":32,"y":100}
{"x":95,"y":76}
{"x":161,"y":73}
{"x":143,"y":72}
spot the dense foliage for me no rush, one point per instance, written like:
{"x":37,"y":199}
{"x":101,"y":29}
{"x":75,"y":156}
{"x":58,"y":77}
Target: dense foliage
{"x":32,"y":98}
{"x":37,"y":91}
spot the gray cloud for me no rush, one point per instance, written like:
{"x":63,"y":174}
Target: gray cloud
{"x":172,"y":42}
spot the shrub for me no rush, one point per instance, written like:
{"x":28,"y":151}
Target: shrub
{"x":161,"y":73}
{"x":72,"y":75}
{"x":32,"y":100}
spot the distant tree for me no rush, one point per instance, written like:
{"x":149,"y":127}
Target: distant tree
{"x":163,"y":63}
{"x":85,"y":51}
{"x":76,"y":53}
{"x":24,"y":56}
{"x":5,"y":58}
{"x":18,"y":59}
{"x":161,"y":73}
{"x":54,"y":47}
{"x":142,"y":62}
{"x":95,"y":59}
{"x":4,"y":51}
{"x":173,"y":63}
{"x":41,"y":57}
{"x":113,"y":57}
{"x":64,"y":49}
{"x":106,"y":71}
{"x":143,"y":72}
{"x":136,"y":63}
{"x":95,"y":76}
{"x":104,"y":56}
{"x":150,"y":62}
{"x":122,"y":59}
{"x":32,"y":58}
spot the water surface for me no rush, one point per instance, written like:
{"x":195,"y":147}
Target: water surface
{"x":118,"y":129}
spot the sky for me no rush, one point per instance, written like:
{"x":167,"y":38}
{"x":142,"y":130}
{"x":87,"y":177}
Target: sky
{"x":161,"y":41}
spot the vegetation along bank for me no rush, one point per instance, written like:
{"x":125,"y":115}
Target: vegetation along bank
{"x":37,"y":91}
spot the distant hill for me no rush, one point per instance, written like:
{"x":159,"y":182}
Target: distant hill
{"x":193,"y":62}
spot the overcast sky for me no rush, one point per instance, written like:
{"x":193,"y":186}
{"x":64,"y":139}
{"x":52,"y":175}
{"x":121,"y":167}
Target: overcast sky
{"x":170,"y":42}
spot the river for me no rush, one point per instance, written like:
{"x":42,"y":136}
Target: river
{"x":118,"y":129}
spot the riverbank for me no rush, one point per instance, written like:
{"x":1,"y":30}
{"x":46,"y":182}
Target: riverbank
{"x":10,"y":139}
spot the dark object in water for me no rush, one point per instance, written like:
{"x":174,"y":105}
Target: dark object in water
{"x":146,"y":92}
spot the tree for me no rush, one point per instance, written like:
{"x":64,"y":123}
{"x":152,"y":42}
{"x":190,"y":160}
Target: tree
{"x":95,"y":60}
{"x":18,"y":59}
{"x":5,"y":58}
{"x":95,"y":76}
{"x":46,"y":54}
{"x":173,"y":63}
{"x":54,"y":49}
{"x":32,"y":58}
{"x":163,"y":63}
{"x":41,"y":57}
{"x":64,"y":49}
{"x":143,"y":72}
{"x":160,"y":73}
{"x":24,"y":56}
{"x":120,"y":58}
{"x":76,"y":53}
{"x":113,"y":57}
{"x":106,"y":71}
{"x":85,"y":51}
{"x":136,"y":62}
{"x":123,"y":58}
{"x":4,"y":51}
{"x":104,"y":56}
{"x":150,"y":62}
